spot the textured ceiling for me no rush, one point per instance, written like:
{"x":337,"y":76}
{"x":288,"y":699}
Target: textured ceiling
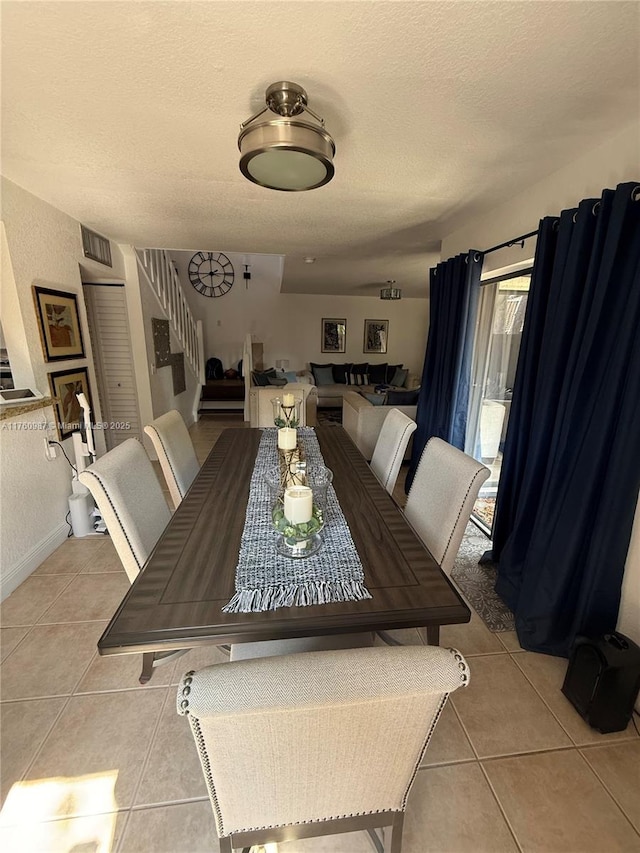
{"x":125,"y":115}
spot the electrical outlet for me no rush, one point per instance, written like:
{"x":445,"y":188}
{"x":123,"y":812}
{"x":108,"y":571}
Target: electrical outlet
{"x":50,"y":450}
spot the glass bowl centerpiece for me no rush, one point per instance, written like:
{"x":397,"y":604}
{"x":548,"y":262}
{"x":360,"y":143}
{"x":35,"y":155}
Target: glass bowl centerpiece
{"x":298,"y":511}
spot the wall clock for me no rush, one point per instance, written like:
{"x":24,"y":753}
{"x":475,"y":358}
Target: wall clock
{"x":211,"y":273}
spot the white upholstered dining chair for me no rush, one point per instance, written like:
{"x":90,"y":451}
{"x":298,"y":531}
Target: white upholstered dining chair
{"x":126,"y":489}
{"x":441,"y":498}
{"x":390,"y":447}
{"x":319,"y":743}
{"x":173,"y":445}
{"x":440,"y":502}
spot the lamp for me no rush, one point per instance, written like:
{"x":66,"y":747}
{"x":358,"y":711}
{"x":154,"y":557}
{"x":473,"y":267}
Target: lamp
{"x":390,"y":292}
{"x":286,"y":153}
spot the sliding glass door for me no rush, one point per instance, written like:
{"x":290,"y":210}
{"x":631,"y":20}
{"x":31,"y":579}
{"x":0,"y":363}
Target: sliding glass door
{"x":501,"y":312}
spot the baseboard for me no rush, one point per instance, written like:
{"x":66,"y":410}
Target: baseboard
{"x":14,"y":576}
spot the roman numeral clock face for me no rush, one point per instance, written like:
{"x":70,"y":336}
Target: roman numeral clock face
{"x":211,"y":273}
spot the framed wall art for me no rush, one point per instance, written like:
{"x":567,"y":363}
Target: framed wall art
{"x":65,"y":384}
{"x":334,"y":335}
{"x":376,"y":336}
{"x":59,"y":324}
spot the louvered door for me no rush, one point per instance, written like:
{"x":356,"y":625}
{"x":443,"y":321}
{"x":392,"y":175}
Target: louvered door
{"x":111,"y":342}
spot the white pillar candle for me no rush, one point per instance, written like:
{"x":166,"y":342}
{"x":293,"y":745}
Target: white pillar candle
{"x":288,"y":400}
{"x":298,"y":504}
{"x":287,"y":438}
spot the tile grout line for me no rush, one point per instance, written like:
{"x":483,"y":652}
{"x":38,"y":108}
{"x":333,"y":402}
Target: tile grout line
{"x":559,"y":721}
{"x":500,"y":807}
{"x":606,"y":787}
{"x":152,"y":739}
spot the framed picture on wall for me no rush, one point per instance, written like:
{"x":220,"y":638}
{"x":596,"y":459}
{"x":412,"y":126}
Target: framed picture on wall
{"x":59,"y":324}
{"x":334,"y":335}
{"x":64,"y":386}
{"x":376,"y":336}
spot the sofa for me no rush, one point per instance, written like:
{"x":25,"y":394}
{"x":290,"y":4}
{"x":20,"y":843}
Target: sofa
{"x":363,"y":421}
{"x":334,"y":381}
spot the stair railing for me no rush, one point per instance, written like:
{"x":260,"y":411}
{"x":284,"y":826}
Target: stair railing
{"x":165,"y":283}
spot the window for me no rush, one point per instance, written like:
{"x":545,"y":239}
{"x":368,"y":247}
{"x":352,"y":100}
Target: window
{"x":503,"y":303}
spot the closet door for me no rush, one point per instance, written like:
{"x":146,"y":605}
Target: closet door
{"x":111,"y":342}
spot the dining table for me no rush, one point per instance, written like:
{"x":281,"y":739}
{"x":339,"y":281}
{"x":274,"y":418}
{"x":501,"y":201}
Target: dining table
{"x":177,"y":600}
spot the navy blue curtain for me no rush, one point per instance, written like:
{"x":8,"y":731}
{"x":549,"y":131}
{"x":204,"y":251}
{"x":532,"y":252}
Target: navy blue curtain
{"x":571,"y":467}
{"x":444,"y":390}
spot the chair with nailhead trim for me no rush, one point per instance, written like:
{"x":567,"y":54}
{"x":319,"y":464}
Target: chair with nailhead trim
{"x":390,"y":447}
{"x":174,"y":448}
{"x":128,"y":494}
{"x":317,"y":743}
{"x":440,"y":502}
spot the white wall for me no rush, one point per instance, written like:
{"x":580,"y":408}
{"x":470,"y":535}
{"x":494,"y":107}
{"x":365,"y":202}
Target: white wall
{"x":611,"y":163}
{"x":43,"y":247}
{"x":616,"y":161}
{"x":289,"y":324}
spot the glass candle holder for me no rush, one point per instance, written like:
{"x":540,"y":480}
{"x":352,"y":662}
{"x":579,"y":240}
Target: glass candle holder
{"x":286,"y":411}
{"x":298,"y":512}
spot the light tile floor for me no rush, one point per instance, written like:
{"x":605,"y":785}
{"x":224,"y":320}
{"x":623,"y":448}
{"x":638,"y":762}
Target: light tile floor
{"x":92,"y":761}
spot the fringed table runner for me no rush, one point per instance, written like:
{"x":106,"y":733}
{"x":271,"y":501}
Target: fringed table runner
{"x":266,"y":580}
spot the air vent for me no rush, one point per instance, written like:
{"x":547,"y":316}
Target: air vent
{"x":96,"y":247}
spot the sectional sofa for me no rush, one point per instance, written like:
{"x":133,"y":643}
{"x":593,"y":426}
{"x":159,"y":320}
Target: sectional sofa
{"x":334,"y":381}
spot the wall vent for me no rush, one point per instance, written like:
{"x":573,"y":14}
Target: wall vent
{"x":96,"y":247}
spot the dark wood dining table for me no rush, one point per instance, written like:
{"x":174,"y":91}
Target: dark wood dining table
{"x":177,"y":599}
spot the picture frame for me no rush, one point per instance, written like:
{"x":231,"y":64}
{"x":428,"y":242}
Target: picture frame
{"x":64,"y":385}
{"x":59,"y":324}
{"x":334,"y":335}
{"x":376,"y":336}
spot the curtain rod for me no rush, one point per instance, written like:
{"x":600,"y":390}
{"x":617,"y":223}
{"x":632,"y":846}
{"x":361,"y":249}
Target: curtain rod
{"x":511,"y":242}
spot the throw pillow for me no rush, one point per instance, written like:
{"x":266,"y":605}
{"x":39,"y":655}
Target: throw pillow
{"x":403,"y":398}
{"x":375,"y":399}
{"x":315,"y":367}
{"x":259,"y":378}
{"x":377,"y":373}
{"x":399,"y":377}
{"x":359,"y":374}
{"x":341,"y":373}
{"x":291,"y":376}
{"x":391,"y":369}
{"x":276,"y":380}
{"x":323,"y":375}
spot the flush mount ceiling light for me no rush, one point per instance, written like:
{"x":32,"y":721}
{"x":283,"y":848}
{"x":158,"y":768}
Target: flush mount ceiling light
{"x":289,"y":152}
{"x":390,"y":292}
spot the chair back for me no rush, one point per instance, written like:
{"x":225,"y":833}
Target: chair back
{"x":126,"y":489}
{"x":441,"y":498}
{"x":173,"y":445}
{"x":390,"y":447}
{"x":304,"y":738}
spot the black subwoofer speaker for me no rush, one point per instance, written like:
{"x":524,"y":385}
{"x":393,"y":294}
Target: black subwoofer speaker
{"x":603,"y":679}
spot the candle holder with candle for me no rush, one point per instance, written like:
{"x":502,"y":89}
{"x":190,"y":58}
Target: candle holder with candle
{"x":298,"y":512}
{"x":286,"y":411}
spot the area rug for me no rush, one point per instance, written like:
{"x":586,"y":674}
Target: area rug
{"x":477,"y":582}
{"x":329,"y":417}
{"x":484,"y":508}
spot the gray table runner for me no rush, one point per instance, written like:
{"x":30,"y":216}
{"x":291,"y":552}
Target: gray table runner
{"x":266,"y":580}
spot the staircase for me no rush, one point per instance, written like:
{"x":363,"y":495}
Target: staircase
{"x":163,"y":280}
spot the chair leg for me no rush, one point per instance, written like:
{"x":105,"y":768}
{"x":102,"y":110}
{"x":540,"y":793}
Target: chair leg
{"x":396,"y":833}
{"x":375,"y":840}
{"x":153,"y":659}
{"x":147,"y":667}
